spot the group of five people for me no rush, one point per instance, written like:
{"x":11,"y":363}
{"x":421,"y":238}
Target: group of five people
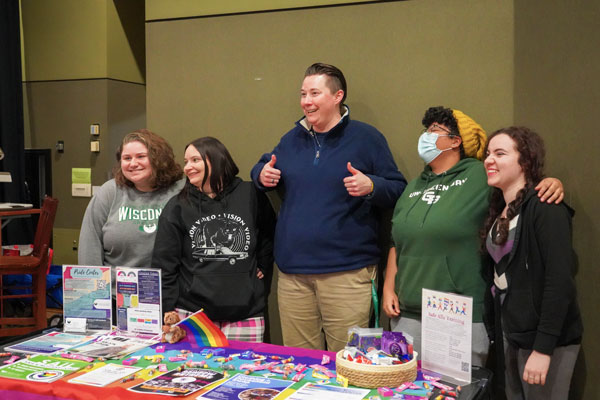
{"x":215,"y":237}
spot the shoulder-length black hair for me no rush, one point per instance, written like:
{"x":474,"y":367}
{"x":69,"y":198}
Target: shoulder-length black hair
{"x":223,"y":169}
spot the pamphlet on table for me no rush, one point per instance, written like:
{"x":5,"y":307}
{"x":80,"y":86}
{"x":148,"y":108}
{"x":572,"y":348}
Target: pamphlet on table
{"x":112,"y":346}
{"x":49,"y":343}
{"x":312,"y":391}
{"x":446,"y":334}
{"x":105,"y":375}
{"x":179,"y":383}
{"x":247,"y":387}
{"x":87,"y":298}
{"x":41,"y":368}
{"x":139,"y":300}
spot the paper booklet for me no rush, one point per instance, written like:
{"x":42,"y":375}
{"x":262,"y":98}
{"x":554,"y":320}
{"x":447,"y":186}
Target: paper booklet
{"x":112,"y":346}
{"x":105,"y":375}
{"x":179,"y":383}
{"x":87,"y":298}
{"x":41,"y":368}
{"x":49,"y":343}
{"x":139,"y":299}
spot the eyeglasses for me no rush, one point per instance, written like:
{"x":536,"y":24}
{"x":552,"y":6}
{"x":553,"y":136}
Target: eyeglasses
{"x":436,"y":128}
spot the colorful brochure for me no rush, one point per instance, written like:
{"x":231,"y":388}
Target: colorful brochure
{"x":105,"y":375}
{"x":247,"y":387}
{"x":49,"y":343}
{"x":139,"y":301}
{"x":179,"y":383}
{"x":109,"y":346}
{"x":41,"y":368}
{"x":87,"y":298}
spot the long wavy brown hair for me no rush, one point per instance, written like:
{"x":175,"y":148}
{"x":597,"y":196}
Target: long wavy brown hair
{"x":530,"y":147}
{"x":165,"y":170}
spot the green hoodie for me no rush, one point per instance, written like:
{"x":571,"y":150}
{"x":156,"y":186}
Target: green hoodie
{"x":435,"y":230}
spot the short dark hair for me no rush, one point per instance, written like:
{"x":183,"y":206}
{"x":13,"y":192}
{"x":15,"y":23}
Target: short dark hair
{"x":444,"y":116}
{"x":223,"y":169}
{"x":165,"y":170}
{"x":335,"y":78}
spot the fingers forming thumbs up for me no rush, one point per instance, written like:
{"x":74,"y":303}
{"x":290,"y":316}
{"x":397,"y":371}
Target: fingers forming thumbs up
{"x":273,"y":161}
{"x":270,"y":176}
{"x":358,"y":184}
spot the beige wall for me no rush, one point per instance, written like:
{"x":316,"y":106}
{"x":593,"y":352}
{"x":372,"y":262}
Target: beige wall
{"x":557,"y":92}
{"x":83,"y":63}
{"x":160,"y":9}
{"x":238,"y":77}
{"x":74,"y":39}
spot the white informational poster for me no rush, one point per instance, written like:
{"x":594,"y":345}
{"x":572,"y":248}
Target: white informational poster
{"x":139,"y":300}
{"x":105,"y":375}
{"x":446,"y":331}
{"x":312,"y":391}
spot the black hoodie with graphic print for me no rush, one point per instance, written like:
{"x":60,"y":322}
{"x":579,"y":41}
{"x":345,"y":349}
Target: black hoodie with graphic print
{"x":209,"y":251}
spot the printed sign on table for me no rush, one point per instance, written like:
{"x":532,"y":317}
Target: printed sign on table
{"x":179,"y":383}
{"x":247,"y":387}
{"x":86,"y":298}
{"x":446,"y":334}
{"x":139,"y":300}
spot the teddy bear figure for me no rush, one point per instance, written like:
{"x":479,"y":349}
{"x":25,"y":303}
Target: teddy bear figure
{"x":171,"y":332}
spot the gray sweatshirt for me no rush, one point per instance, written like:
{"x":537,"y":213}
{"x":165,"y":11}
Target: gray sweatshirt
{"x":119,"y":225}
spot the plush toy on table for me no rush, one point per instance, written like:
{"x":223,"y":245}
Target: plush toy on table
{"x":171,"y":332}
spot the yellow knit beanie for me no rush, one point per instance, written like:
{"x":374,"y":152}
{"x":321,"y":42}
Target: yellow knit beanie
{"x":472,"y":135}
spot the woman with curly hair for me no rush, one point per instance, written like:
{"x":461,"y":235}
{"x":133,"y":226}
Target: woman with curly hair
{"x":436,"y":225}
{"x":537,"y":320}
{"x":120,"y":221}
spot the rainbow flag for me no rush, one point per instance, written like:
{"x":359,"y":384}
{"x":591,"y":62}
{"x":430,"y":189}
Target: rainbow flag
{"x":201,"y":332}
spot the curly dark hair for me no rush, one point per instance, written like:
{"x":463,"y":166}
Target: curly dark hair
{"x":165,"y":170}
{"x":336,"y":80}
{"x":223,"y":169}
{"x":444,"y":116}
{"x":530,"y":147}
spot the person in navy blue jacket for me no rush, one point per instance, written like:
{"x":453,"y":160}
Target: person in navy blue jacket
{"x":335,"y":176}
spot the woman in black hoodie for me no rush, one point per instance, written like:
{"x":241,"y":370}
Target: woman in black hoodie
{"x":538,"y":323}
{"x":214,"y":244}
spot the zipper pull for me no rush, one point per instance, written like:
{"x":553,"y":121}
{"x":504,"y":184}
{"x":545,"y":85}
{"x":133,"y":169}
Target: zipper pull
{"x":318,"y":153}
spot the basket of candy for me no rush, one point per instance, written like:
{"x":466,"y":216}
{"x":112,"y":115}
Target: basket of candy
{"x":373,"y":361}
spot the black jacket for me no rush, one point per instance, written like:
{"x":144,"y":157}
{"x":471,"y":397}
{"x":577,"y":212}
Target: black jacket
{"x":209,"y":251}
{"x":540,"y":310}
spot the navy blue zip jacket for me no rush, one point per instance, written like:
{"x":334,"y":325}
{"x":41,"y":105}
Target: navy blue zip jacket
{"x":321,"y":228}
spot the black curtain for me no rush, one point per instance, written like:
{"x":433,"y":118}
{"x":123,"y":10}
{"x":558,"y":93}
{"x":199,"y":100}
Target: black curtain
{"x":11,"y":119}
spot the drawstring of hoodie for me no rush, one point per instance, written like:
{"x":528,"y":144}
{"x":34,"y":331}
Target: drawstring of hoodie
{"x":417,"y":198}
{"x":433,"y":202}
{"x":424,"y":190}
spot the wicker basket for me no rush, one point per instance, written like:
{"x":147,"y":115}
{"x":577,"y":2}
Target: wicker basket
{"x":375,"y":376}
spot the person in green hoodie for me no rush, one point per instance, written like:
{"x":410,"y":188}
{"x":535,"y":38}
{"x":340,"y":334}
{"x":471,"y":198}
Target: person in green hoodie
{"x":436,"y":225}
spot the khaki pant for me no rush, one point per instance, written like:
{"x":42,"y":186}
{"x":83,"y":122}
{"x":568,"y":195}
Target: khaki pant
{"x":318,"y":307}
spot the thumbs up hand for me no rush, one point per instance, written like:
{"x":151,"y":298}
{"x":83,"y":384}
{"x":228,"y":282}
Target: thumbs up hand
{"x":270,"y":176}
{"x":358,"y":184}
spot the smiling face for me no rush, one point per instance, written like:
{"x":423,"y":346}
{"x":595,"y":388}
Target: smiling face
{"x":194,"y":168}
{"x":136,"y":167}
{"x":502,"y":164}
{"x":320,"y":105}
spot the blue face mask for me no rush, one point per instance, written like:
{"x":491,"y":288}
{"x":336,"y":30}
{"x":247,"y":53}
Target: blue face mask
{"x":428,"y":151}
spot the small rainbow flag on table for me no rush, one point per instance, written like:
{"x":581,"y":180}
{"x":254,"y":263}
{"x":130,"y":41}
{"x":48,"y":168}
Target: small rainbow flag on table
{"x":201,"y":332}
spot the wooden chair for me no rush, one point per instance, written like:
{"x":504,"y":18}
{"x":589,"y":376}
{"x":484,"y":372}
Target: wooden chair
{"x":36,"y":265}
